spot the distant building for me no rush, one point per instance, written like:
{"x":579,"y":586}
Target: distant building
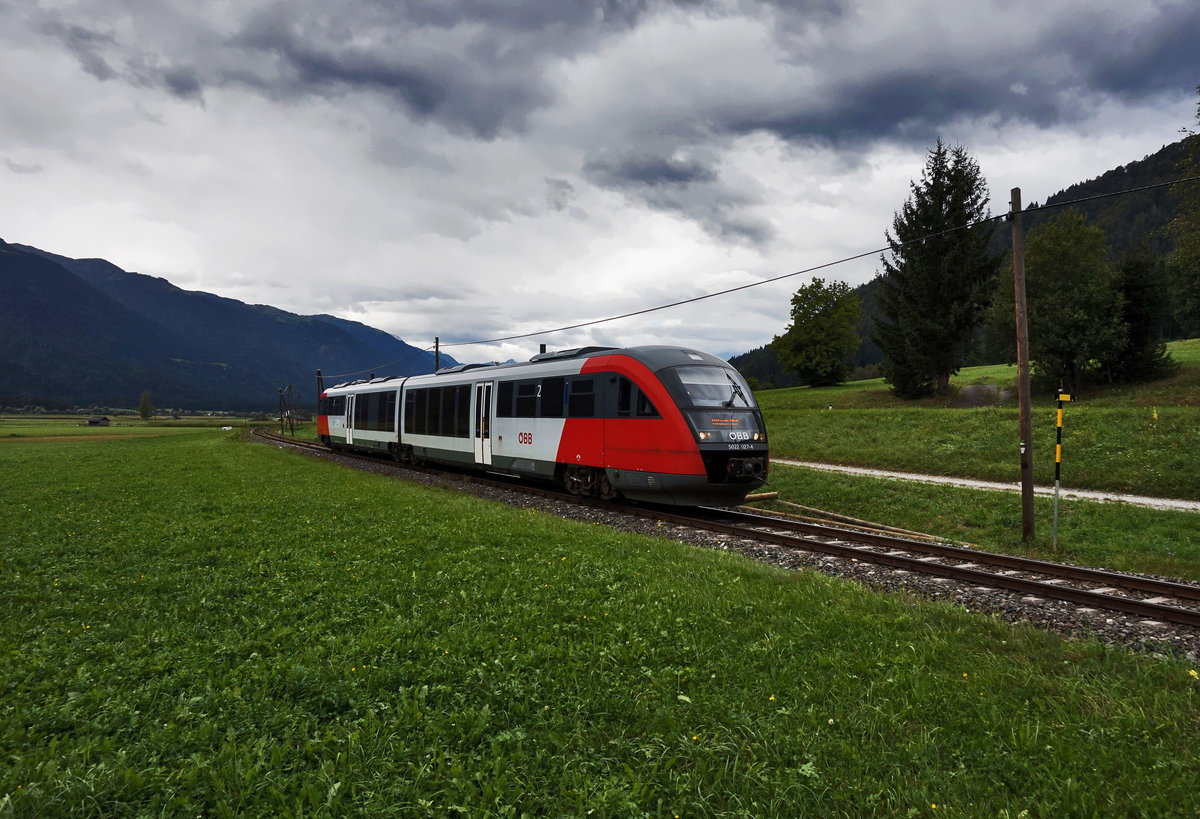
{"x":98,"y":421}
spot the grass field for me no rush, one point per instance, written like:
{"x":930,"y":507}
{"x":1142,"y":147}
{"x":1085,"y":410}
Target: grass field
{"x":1142,"y":440}
{"x":74,"y":427}
{"x":196,"y":625}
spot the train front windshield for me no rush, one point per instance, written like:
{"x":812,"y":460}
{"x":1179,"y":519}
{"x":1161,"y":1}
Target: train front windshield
{"x":719,"y":405}
{"x":714,"y":387}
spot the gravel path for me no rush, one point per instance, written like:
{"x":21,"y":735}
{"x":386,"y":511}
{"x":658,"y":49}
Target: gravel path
{"x":1078,"y":494}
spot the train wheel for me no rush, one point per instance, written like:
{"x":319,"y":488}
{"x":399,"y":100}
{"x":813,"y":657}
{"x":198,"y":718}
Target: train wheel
{"x":579,"y":480}
{"x":606,"y":490}
{"x":587,"y":481}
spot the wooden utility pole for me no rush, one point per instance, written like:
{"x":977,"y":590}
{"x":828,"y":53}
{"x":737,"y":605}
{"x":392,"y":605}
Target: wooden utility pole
{"x":1026,"y":406}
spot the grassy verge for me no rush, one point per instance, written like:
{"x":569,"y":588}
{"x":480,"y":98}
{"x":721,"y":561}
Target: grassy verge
{"x":1104,"y":535}
{"x":1141,"y":440}
{"x":1141,"y":450}
{"x":192,"y":624}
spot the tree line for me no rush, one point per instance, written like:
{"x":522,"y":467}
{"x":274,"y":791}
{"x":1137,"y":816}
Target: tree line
{"x":945,"y":296}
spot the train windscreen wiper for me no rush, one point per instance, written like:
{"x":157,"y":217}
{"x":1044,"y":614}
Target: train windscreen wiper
{"x":736,"y":393}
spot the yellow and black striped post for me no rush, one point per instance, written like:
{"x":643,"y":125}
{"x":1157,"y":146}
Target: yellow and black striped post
{"x":1062,"y":398}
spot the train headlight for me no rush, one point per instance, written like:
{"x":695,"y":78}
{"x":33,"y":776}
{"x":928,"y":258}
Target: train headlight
{"x":704,"y":436}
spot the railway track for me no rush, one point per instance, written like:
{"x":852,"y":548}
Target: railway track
{"x":1151,"y":598}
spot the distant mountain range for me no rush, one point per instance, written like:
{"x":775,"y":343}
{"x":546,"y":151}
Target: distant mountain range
{"x":85,"y":333}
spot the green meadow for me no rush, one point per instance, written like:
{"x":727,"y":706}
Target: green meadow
{"x":1143,"y":440}
{"x":194,"y":624}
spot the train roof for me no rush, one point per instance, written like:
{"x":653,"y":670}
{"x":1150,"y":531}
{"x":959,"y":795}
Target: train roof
{"x":654,"y":356}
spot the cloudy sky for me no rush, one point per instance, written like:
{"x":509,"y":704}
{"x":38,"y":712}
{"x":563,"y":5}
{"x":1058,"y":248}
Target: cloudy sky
{"x":473,"y":169}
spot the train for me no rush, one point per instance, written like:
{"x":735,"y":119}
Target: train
{"x":655,"y":424}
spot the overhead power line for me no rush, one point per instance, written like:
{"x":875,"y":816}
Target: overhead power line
{"x":773,"y":279}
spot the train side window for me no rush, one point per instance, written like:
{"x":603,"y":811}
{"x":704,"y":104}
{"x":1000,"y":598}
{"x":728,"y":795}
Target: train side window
{"x":433,"y":413}
{"x":420,"y":415}
{"x":462,"y":411}
{"x":643,"y":407}
{"x":632,"y":402}
{"x":449,"y":421}
{"x":504,"y":399}
{"x":624,"y":397}
{"x":362,"y":411}
{"x":552,"y":397}
{"x":581,"y":400}
{"x":387,"y":413}
{"x":527,"y":394}
{"x":410,"y":411}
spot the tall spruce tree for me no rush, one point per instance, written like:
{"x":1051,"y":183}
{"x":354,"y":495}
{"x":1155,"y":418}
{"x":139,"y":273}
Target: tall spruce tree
{"x":936,"y":284}
{"x":1142,"y":279}
{"x":1076,"y":327}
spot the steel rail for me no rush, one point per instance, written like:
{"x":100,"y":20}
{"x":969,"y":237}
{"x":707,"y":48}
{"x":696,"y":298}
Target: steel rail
{"x":963,"y":573}
{"x":1182,"y":591}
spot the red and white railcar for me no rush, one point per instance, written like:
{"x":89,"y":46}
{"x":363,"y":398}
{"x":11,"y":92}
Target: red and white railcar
{"x":660,"y":424}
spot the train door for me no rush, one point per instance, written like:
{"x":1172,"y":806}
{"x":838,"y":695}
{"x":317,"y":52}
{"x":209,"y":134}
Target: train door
{"x":483,"y":423}
{"x":349,"y":419}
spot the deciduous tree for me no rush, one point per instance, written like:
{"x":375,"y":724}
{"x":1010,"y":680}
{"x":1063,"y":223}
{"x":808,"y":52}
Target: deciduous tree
{"x":817,"y":345}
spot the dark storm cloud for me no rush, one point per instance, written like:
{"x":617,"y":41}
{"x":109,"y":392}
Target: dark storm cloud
{"x":1050,"y":79}
{"x":686,"y":187}
{"x":910,"y":106}
{"x":648,"y":172}
{"x":1163,"y":57}
{"x":302,"y":65}
{"x":543,"y":17}
{"x":182,"y":82}
{"x":482,"y":68}
{"x":477,"y":68}
{"x":85,"y":45}
{"x":474,"y":67}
